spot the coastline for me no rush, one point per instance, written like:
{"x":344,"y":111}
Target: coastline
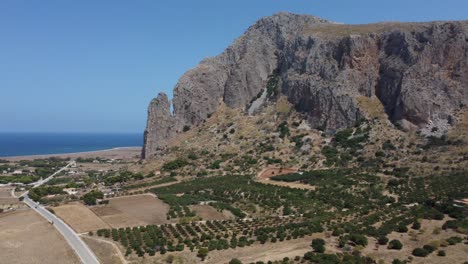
{"x":118,"y":152}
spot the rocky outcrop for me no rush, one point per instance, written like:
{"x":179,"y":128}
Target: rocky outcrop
{"x":419,"y":71}
{"x":159,"y":125}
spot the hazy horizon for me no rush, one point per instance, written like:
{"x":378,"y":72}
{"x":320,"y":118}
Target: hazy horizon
{"x":94,"y":66}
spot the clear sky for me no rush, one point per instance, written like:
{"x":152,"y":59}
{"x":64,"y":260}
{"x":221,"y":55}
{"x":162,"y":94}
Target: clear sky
{"x":94,"y":65}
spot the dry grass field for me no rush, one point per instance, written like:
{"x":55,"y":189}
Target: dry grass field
{"x":133,"y":211}
{"x":7,"y":201}
{"x":79,"y":217}
{"x":251,"y":254}
{"x":107,"y":252}
{"x":207,"y":212}
{"x":5,"y":192}
{"x":265,"y":253}
{"x":25,"y":237}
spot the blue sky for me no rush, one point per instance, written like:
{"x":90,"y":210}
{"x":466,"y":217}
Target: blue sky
{"x":93,"y":66}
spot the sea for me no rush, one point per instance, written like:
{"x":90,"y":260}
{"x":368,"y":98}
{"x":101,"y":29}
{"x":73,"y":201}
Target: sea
{"x":25,"y":144}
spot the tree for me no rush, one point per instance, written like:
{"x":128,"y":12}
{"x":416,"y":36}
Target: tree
{"x":235,"y":261}
{"x":395,"y":244}
{"x":202,"y":253}
{"x":91,"y":197}
{"x":441,"y":253}
{"x":318,"y":245}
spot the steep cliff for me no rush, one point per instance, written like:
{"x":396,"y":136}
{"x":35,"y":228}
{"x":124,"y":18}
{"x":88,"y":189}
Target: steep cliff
{"x":417,"y":70}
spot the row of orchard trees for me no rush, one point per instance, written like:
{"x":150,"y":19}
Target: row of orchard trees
{"x":151,"y":239}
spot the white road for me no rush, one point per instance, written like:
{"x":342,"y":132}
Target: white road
{"x":40,"y":182}
{"x":85,"y":254}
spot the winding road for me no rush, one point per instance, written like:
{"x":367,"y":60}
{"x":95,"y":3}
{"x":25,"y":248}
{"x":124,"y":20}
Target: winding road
{"x":85,"y":254}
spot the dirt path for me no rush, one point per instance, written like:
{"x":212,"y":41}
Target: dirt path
{"x":264,"y":177}
{"x":152,"y":187}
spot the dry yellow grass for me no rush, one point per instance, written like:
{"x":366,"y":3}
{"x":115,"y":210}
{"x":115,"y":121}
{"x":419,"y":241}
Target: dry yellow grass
{"x":372,"y":107}
{"x":25,"y":237}
{"x":207,"y":212}
{"x":134,"y":210}
{"x":106,"y":251}
{"x":79,"y":217}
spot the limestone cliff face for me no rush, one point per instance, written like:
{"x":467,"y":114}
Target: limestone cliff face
{"x":419,"y":71}
{"x":159,"y":125}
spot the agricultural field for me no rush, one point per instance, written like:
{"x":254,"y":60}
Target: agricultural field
{"x":5,"y":192}
{"x":347,"y":208}
{"x":79,"y":217}
{"x":133,"y":210}
{"x":25,"y":237}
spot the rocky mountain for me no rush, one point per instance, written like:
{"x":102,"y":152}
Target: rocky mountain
{"x":417,"y":71}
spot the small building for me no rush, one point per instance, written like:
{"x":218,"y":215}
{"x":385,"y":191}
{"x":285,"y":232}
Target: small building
{"x":107,"y":191}
{"x":17,"y":172}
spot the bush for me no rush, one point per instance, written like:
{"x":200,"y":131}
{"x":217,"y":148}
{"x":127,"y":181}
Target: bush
{"x":429,"y":248}
{"x":402,"y":229}
{"x":441,"y":253}
{"x":382,"y":240}
{"x":359,"y":240}
{"x":419,"y":252}
{"x":202,"y":253}
{"x":416,"y":225}
{"x":192,"y":156}
{"x":175,"y":164}
{"x":454,"y":240}
{"x":283,"y":129}
{"x":235,"y":261}
{"x":395,"y":244}
{"x":216,"y":165}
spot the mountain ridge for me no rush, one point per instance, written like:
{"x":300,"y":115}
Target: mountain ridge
{"x":414,"y":69}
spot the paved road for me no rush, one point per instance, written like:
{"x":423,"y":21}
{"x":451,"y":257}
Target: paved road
{"x":40,"y":182}
{"x":85,"y":254}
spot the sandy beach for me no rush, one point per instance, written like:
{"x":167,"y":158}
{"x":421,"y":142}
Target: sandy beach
{"x":114,"y":153}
